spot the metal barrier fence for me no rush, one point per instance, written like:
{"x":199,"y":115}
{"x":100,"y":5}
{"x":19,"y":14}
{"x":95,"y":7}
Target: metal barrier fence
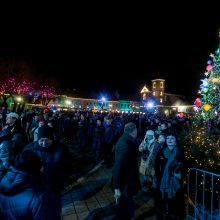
{"x":203,"y":195}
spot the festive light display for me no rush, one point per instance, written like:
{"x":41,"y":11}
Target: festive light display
{"x":202,"y":142}
{"x":209,"y":103}
{"x":13,"y":86}
{"x":47,"y":92}
{"x":202,"y":149}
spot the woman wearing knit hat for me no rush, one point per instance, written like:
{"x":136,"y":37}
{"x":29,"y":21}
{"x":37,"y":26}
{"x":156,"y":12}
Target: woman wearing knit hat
{"x":169,"y":166}
{"x":147,"y":171}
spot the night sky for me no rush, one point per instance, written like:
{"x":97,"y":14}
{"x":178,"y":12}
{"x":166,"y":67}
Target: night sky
{"x":101,"y":47}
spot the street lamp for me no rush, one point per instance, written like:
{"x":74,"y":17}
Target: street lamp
{"x":103,"y":99}
{"x":19,"y":99}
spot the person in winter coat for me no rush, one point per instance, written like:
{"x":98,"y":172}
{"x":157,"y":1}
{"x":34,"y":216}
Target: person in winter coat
{"x":108,"y":139}
{"x":126,"y":182}
{"x":148,"y":147}
{"x":82,"y":132}
{"x":97,"y":139}
{"x":6,"y":150}
{"x":169,"y":199}
{"x":19,"y":136}
{"x":22,"y":194}
{"x":40,"y":124}
{"x":53,"y":156}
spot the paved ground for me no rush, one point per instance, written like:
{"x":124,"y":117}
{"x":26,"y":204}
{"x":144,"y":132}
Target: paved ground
{"x":89,"y":195}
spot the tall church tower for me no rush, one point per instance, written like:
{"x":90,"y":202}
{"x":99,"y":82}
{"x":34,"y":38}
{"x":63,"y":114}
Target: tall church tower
{"x":158,"y":87}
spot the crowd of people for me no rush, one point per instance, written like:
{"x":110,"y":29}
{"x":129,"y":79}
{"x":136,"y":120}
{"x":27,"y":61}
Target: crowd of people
{"x":34,"y":164}
{"x":142,"y":149}
{"x":160,"y":169}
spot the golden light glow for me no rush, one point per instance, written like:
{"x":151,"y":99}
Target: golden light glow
{"x":214,"y":80}
{"x":206,"y":107}
{"x":68,"y":102}
{"x":19,"y":99}
{"x":145,"y":89}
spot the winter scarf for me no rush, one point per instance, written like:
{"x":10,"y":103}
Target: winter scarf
{"x":169,"y":184}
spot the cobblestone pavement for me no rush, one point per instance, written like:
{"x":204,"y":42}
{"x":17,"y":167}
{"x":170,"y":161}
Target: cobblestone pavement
{"x":89,"y":195}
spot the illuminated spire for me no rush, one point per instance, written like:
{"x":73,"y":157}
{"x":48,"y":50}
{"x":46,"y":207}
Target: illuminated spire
{"x":145,"y":89}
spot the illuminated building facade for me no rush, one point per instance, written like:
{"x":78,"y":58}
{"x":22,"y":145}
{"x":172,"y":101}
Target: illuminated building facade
{"x":163,"y":102}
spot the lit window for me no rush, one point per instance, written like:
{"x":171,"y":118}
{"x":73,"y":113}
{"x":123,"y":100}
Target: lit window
{"x":153,"y":93}
{"x":161,"y":84}
{"x":161,"y":93}
{"x":161,"y":100}
{"x":154,"y":85}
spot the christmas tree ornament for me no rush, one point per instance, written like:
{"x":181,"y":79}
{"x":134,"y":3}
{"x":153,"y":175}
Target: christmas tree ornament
{"x":206,"y":107}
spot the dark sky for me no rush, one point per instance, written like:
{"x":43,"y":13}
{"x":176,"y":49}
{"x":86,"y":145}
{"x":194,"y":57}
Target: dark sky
{"x":115,"y":47}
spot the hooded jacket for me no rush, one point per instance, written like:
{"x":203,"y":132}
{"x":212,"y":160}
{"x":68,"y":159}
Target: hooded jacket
{"x":6,"y":151}
{"x":23,"y":197}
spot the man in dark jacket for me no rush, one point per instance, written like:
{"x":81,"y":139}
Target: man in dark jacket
{"x":108,"y":139}
{"x":23,"y":196}
{"x":126,"y":181}
{"x":53,"y":156}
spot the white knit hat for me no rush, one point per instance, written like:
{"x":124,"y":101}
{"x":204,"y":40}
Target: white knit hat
{"x":150,"y":132}
{"x":13,"y":115}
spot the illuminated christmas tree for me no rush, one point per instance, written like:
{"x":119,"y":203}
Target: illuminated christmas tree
{"x":208,"y":105}
{"x":202,"y":143}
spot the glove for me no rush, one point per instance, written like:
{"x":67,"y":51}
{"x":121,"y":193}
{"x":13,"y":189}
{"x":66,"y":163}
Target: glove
{"x":117,"y":193}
